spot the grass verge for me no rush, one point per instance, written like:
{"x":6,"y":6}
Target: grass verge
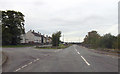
{"x":14,"y":46}
{"x":61,"y":46}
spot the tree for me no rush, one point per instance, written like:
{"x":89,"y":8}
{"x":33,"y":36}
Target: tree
{"x":107,"y":41}
{"x":92,"y":39}
{"x":118,"y":41}
{"x":56,"y":38}
{"x":12,"y":27}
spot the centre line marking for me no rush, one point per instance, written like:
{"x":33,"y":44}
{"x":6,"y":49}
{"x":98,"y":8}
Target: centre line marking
{"x":30,"y":63}
{"x":17,"y":69}
{"x":85,"y":60}
{"x":75,"y":48}
{"x":78,"y":52}
{"x":37,"y":59}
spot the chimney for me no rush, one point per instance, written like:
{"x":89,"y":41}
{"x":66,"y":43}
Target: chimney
{"x":44,"y":35}
{"x":40,"y":33}
{"x":33,"y":31}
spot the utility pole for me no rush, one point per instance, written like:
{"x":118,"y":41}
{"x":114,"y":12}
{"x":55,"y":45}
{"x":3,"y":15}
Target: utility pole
{"x":63,"y":38}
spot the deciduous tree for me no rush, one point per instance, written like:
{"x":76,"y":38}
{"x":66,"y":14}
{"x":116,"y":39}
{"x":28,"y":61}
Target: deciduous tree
{"x":12,"y":27}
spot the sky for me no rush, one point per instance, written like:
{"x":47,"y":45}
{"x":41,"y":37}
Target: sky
{"x":74,"y":18}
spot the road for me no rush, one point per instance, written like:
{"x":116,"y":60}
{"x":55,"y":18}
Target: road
{"x":72,"y":59}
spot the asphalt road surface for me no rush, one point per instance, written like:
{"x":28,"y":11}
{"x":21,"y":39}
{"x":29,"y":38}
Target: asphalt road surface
{"x":72,"y":59}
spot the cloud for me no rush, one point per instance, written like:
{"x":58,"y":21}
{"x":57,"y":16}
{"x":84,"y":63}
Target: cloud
{"x":73,"y":17}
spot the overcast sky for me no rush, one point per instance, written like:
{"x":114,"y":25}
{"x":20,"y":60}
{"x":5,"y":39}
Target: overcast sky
{"x":75,"y":18}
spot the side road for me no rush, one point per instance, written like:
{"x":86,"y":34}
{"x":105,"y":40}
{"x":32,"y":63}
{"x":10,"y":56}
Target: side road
{"x":3,"y":57}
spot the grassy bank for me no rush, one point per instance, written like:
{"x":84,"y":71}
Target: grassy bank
{"x":61,"y":46}
{"x":14,"y":46}
{"x":109,"y":50}
{"x":117,"y":51}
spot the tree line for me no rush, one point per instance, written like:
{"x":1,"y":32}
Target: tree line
{"x":94,"y":40}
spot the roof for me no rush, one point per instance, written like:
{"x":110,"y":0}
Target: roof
{"x":36,"y":34}
{"x":50,"y":37}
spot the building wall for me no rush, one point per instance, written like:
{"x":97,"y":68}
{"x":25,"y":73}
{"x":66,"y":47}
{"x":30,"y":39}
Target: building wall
{"x":44,"y":40}
{"x":22,"y":38}
{"x":49,"y":40}
{"x":29,"y":37}
{"x":37,"y":39}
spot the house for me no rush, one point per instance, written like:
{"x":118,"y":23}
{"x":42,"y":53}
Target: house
{"x":49,"y":40}
{"x":43,"y":39}
{"x":33,"y":37}
{"x":22,"y":38}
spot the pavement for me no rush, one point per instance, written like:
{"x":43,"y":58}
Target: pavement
{"x":72,"y":59}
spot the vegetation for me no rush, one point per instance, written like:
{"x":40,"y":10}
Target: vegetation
{"x":12,"y":27}
{"x":14,"y":46}
{"x":56,"y":38}
{"x":61,"y":46}
{"x":108,"y":41}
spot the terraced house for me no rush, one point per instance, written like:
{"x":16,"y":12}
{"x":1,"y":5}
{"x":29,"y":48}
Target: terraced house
{"x":33,"y":37}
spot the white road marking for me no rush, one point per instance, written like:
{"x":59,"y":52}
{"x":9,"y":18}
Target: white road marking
{"x":26,"y":65}
{"x":58,"y":50}
{"x":23,"y":66}
{"x":30,"y":63}
{"x":85,"y":60}
{"x":82,"y":57}
{"x":34,"y":60}
{"x":75,"y":48}
{"x":78,"y":52}
{"x":17,"y":69}
{"x":37,"y":59}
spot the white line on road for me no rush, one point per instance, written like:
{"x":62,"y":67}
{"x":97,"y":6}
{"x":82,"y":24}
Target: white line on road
{"x":58,"y":50}
{"x":17,"y":69}
{"x":34,"y":60}
{"x":85,"y":60}
{"x":78,"y":52}
{"x":82,"y":57}
{"x":30,"y":63}
{"x":26,"y":65}
{"x":37,"y":59}
{"x":75,"y":48}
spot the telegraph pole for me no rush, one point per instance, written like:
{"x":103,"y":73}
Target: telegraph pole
{"x":63,"y":38}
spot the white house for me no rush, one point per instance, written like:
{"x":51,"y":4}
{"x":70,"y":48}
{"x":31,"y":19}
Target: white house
{"x":33,"y":37}
{"x":23,"y":38}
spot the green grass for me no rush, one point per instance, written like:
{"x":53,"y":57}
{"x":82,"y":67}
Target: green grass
{"x":61,"y":46}
{"x":14,"y":46}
